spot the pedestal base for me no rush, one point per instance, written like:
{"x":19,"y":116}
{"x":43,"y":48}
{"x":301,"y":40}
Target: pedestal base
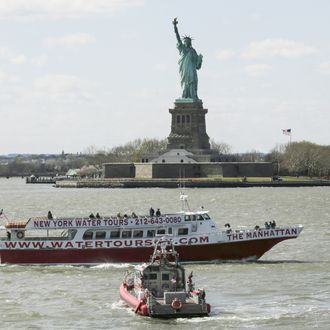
{"x":188,"y":129}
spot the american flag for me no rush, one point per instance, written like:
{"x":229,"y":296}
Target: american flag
{"x":286,"y":131}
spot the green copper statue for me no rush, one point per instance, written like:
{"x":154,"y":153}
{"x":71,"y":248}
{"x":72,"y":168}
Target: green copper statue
{"x":189,"y":63}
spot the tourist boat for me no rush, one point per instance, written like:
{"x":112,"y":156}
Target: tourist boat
{"x":130,"y":238}
{"x":159,"y":289}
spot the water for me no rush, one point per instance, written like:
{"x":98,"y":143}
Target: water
{"x":289,"y":287}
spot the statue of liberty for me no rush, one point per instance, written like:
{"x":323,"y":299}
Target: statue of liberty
{"x":189,"y":63}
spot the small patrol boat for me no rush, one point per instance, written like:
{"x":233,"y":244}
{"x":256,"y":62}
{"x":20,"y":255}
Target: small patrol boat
{"x":159,"y":289}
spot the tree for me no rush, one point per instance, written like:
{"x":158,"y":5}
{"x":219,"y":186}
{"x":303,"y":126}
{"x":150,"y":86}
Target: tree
{"x":306,"y":158}
{"x":222,"y":147}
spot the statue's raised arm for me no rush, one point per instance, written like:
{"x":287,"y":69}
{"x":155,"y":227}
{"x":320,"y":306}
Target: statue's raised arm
{"x":175,"y":23}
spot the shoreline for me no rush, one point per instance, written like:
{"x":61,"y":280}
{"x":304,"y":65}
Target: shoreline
{"x":188,"y":183}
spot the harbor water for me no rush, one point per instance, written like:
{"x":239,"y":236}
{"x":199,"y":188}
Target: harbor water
{"x":289,"y":287}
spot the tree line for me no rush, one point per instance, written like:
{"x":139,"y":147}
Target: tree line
{"x":301,"y":158}
{"x":296,"y":158}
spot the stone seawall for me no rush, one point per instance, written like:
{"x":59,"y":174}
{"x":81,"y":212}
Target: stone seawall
{"x":175,"y":183}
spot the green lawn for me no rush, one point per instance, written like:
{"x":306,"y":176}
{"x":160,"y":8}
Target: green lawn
{"x":257,"y":179}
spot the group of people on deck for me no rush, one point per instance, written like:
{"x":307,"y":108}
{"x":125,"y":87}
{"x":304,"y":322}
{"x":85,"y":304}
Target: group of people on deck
{"x":97,"y":216}
{"x":152,"y":212}
{"x":270,"y":225}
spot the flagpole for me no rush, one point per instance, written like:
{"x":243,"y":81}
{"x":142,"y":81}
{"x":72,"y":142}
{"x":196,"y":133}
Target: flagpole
{"x":288,"y":131}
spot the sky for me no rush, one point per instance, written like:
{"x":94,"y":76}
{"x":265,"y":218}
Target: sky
{"x":81,"y":74}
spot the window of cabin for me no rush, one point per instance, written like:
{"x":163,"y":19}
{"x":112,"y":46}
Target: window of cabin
{"x":138,"y":233}
{"x":151,"y":233}
{"x":115,"y":234}
{"x":88,"y":234}
{"x":165,"y":277}
{"x":193,"y":217}
{"x":100,"y":235}
{"x":161,"y":232}
{"x":206,"y":216}
{"x":153,"y":276}
{"x":199,"y":217}
{"x":183,"y":231}
{"x":187,"y":218}
{"x":126,"y":234}
{"x":169,"y":231}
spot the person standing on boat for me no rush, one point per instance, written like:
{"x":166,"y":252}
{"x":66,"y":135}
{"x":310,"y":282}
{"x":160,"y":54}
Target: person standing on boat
{"x":151,"y":212}
{"x":158,"y":213}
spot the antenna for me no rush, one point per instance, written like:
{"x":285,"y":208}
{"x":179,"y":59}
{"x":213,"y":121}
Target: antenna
{"x":183,"y":197}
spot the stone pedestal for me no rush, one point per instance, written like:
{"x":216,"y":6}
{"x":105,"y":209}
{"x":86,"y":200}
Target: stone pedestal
{"x":188,"y":129}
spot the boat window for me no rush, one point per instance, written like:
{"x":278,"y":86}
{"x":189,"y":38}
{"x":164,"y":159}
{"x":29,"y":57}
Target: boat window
{"x":146,"y":276}
{"x":183,"y":231}
{"x":72,"y":233}
{"x":88,"y":234}
{"x":153,"y":276}
{"x":161,"y":232}
{"x":151,"y":233}
{"x":138,"y":233}
{"x":100,"y":234}
{"x":193,"y":217}
{"x":169,"y":231}
{"x":126,"y":233}
{"x":206,"y":216}
{"x":187,"y":218}
{"x":115,"y":234}
{"x":165,"y":277}
{"x":200,"y":218}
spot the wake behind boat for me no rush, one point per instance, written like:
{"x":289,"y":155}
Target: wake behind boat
{"x":159,"y":289}
{"x":129,"y":238}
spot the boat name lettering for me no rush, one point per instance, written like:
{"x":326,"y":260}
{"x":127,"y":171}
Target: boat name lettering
{"x":262,"y":233}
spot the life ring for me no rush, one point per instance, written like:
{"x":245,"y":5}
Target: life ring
{"x":176,"y":304}
{"x":20,"y":234}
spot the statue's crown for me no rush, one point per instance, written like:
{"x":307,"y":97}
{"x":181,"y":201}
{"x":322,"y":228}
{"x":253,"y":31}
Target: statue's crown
{"x":187,"y":38}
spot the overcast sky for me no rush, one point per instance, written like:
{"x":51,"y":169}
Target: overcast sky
{"x":82,"y":73}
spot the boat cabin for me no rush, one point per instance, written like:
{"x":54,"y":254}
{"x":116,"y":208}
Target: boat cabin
{"x":163,"y":277}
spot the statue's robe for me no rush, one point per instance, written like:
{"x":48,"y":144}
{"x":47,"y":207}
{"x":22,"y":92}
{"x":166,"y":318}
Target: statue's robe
{"x":189,"y":63}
